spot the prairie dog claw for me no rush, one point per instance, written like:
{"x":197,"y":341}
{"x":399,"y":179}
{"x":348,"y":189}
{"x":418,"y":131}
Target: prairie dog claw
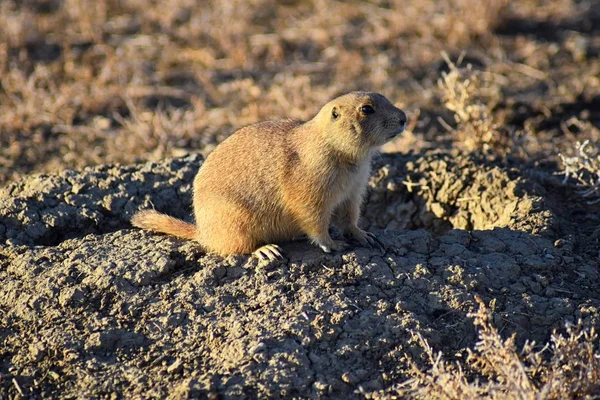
{"x":269,"y":252}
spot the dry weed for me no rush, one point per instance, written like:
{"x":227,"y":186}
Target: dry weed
{"x":471,"y":95}
{"x":65,"y":65}
{"x":584,"y":169}
{"x":161,"y":132}
{"x":568,"y":367}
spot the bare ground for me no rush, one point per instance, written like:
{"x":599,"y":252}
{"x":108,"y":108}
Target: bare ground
{"x":103,"y":308}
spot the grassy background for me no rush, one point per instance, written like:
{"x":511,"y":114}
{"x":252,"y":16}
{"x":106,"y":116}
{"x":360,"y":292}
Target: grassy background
{"x":86,"y":82}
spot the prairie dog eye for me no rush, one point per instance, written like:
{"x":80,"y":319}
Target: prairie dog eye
{"x":367,"y":109}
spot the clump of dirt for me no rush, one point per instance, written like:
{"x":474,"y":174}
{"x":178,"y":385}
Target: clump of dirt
{"x":443,"y":191}
{"x":122,"y":311}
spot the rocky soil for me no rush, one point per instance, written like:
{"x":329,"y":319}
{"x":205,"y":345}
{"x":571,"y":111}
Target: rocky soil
{"x":93,"y":308}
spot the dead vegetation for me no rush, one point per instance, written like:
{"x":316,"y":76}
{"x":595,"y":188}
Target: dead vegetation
{"x":471,"y":95}
{"x":584,"y":169}
{"x":77,"y":75}
{"x":568,"y":367}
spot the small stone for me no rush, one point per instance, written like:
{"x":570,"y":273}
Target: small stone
{"x":175,"y":367}
{"x":349,"y":377}
{"x":260,"y":347}
{"x":235,"y":272}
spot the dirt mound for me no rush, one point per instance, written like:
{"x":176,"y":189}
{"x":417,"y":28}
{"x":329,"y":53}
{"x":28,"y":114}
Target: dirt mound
{"x":452,"y":190}
{"x":46,"y":209}
{"x":90,"y":306}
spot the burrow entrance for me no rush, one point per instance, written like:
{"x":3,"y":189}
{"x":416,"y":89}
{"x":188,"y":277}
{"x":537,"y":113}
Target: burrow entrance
{"x":440,"y":192}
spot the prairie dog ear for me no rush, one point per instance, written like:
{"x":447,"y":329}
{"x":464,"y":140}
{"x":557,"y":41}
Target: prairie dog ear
{"x":335,"y":113}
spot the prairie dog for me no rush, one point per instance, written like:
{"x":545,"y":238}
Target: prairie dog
{"x":272,"y":181}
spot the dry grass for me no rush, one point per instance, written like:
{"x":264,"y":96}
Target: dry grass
{"x":567,"y":367}
{"x":77,"y":78}
{"x":584,"y":168}
{"x":471,"y":95}
{"x":468,"y":94}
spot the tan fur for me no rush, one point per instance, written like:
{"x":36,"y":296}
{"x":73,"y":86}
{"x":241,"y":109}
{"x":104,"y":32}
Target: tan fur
{"x":153,"y":220}
{"x":271,"y":181}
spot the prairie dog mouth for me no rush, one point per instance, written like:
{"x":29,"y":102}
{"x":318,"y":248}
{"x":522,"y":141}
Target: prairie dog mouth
{"x":397,"y":132}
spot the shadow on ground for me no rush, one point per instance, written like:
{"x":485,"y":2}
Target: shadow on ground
{"x":151,"y":315}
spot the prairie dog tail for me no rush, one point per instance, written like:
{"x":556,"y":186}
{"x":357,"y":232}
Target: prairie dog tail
{"x":155,"y":221}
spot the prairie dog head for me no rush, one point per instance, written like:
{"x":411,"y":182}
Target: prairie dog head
{"x":358,"y":122}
